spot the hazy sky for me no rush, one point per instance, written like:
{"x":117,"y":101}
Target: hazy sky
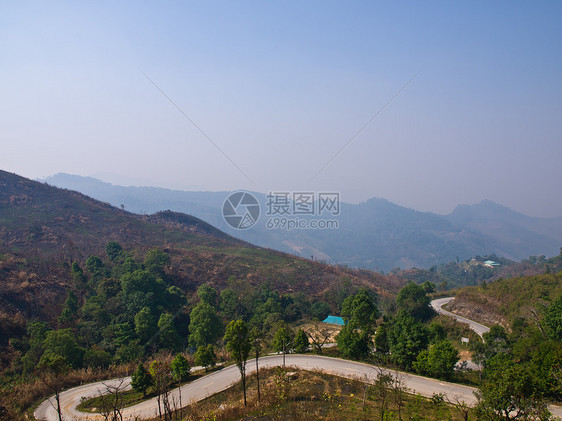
{"x":280,"y":87}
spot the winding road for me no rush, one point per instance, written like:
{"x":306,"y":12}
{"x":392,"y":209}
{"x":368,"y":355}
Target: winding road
{"x":223,"y":379}
{"x":440,"y":302}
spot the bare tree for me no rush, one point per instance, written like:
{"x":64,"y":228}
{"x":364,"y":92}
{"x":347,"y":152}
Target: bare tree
{"x":383,"y":385}
{"x":111,"y":400}
{"x":51,"y":369}
{"x":460,"y":405}
{"x":399,"y":388}
{"x":161,"y":374}
{"x":319,"y":335}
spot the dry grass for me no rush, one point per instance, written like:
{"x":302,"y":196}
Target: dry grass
{"x":304,"y":395}
{"x":26,"y":394}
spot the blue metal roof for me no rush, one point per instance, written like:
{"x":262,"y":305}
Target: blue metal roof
{"x":334,"y":320}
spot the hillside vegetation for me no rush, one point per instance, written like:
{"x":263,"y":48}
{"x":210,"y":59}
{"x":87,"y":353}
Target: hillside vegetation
{"x":506,"y":300}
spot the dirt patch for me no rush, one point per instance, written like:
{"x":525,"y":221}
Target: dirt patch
{"x":479,"y":312}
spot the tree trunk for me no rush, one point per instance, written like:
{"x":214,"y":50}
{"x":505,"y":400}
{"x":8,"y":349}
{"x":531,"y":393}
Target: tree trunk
{"x":57,"y":397}
{"x":258,"y":376}
{"x":243,"y":372}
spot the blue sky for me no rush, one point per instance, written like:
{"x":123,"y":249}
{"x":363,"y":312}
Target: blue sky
{"x":280,"y":87}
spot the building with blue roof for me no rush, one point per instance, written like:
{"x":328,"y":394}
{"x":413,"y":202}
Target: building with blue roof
{"x":334,"y":320}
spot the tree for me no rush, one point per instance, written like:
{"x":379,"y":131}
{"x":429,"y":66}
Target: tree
{"x":320,"y":310}
{"x":361,"y":311}
{"x":162,"y":378}
{"x":205,"y":356}
{"x":353,"y":343}
{"x":207,"y":294}
{"x":381,"y":339}
{"x":256,"y":338}
{"x":114,"y":251}
{"x":205,"y":326}
{"x":437,"y":361}
{"x":301,"y":343}
{"x":95,"y":266}
{"x":145,"y":324}
{"x":282,"y":341}
{"x":167,"y":332}
{"x":230,"y":304}
{"x":141,"y":380}
{"x":510,"y":392}
{"x":62,"y":342}
{"x":111,"y":400}
{"x":406,"y":339}
{"x":319,"y":333}
{"x":180,"y":368}
{"x":156,"y":261}
{"x":50,"y":369}
{"x":412,"y":300}
{"x":77,"y":273}
{"x":70,"y":308}
{"x":237,"y":341}
{"x":496,"y":342}
{"x":553,"y":319}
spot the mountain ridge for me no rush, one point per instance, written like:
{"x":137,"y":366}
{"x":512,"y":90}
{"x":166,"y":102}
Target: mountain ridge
{"x":376,"y":234}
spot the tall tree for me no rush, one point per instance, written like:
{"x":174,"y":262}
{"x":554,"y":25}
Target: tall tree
{"x":114,"y":251}
{"x":205,"y":326}
{"x":437,"y":361}
{"x":301,"y":343}
{"x":256,"y":338}
{"x":283,"y":341}
{"x":207,"y":294}
{"x":406,"y":339}
{"x":167,"y":332}
{"x":237,"y":341}
{"x":205,"y":356}
{"x":361,"y":311}
{"x":145,"y":324}
{"x":50,"y":369}
{"x":412,"y":300}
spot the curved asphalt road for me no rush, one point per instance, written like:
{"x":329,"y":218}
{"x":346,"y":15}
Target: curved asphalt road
{"x":477,"y":327}
{"x":223,"y":379}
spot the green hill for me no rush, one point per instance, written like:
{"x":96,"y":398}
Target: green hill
{"x":43,"y":229}
{"x":506,"y":300}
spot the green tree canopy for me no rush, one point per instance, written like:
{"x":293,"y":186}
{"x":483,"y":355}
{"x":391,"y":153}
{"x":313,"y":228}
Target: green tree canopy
{"x":301,"y":344}
{"x":205,"y":356}
{"x":406,"y":339}
{"x":145,"y":324}
{"x":510,"y":392}
{"x":205,"y":326}
{"x":437,"y":361}
{"x":361,"y":311}
{"x":180,"y":368}
{"x":207,"y":294}
{"x":167,"y":333}
{"x":237,"y":340}
{"x":156,"y":261}
{"x":283,"y":339}
{"x":553,"y":319}
{"x":62,"y":342}
{"x":412,"y":300}
{"x":114,"y":251}
{"x":141,"y":380}
{"x":353,"y":343}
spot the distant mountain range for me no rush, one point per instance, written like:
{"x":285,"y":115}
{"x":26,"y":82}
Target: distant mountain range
{"x":376,"y":234}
